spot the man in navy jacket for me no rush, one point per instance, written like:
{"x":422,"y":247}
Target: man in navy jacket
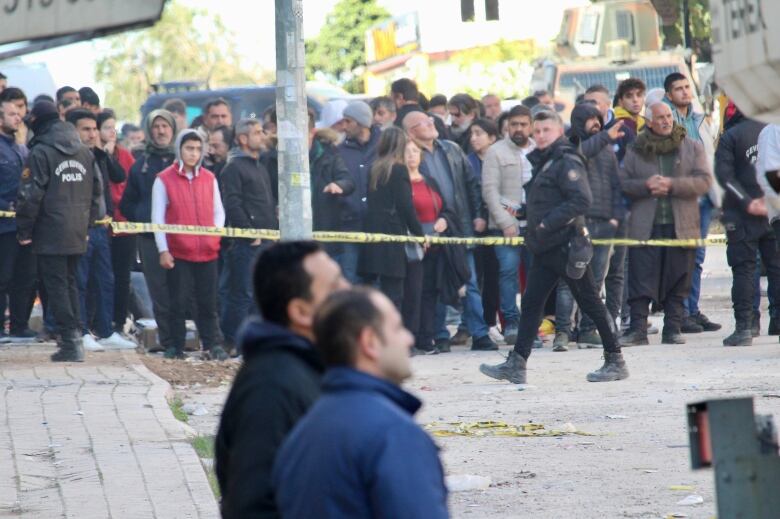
{"x":358,"y":452}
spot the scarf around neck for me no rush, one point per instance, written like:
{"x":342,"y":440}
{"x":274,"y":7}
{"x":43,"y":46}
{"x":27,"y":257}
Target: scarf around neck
{"x":648,"y":143}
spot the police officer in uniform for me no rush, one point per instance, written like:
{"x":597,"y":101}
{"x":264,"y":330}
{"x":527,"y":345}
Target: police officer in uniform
{"x":747,"y":227}
{"x":59,"y":195}
{"x":558,"y":198}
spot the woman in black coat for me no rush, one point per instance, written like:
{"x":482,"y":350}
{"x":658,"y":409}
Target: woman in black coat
{"x":390,"y":211}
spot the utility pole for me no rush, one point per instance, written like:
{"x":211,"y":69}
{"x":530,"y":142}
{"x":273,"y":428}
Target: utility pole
{"x":295,"y":219}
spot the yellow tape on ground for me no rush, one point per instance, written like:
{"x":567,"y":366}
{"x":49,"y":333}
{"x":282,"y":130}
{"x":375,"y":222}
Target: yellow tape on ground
{"x":362,"y":237}
{"x":491,"y":428}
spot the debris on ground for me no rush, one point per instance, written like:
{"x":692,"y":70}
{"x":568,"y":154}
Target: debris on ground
{"x":492,"y":428}
{"x":191,"y":372}
{"x":466,"y":482}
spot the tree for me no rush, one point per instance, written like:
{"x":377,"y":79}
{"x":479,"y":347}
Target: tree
{"x":185,"y":45}
{"x":340,"y":47}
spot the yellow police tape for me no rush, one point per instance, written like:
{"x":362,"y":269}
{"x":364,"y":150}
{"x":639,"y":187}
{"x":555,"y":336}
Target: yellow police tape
{"x":363,"y":237}
{"x":494,"y":428}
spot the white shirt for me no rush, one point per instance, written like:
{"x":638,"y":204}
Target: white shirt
{"x":160,"y":203}
{"x":769,"y":160}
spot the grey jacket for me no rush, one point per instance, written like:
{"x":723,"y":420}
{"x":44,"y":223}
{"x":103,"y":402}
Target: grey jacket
{"x":504,"y":173}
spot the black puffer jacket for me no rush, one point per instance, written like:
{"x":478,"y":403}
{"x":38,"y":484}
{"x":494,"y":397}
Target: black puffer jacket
{"x":60,"y":192}
{"x":327,"y":167}
{"x":558,"y":194}
{"x":246,"y":193}
{"x":279,"y":381}
{"x":602,"y":164}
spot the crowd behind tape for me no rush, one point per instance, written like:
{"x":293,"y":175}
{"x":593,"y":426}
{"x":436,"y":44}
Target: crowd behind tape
{"x":363,"y":237}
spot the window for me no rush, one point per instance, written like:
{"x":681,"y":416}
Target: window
{"x":491,"y":10}
{"x":467,"y":10}
{"x":589,"y":28}
{"x":625,"y":26}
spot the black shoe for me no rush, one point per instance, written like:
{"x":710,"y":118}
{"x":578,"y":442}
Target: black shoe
{"x":512,"y":369}
{"x":742,"y":336}
{"x":634,"y":338}
{"x":460,"y":338}
{"x":691,"y":325}
{"x":23,"y":334}
{"x":774,"y":326}
{"x":705,"y":323}
{"x":614,"y":368}
{"x":672,"y":338}
{"x":173,"y":353}
{"x":415,"y":352}
{"x":217,"y":353}
{"x":71,"y":349}
{"x":484,"y":343}
{"x":442,"y":345}
{"x":755,"y":328}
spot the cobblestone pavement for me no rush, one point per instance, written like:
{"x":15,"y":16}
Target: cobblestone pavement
{"x":93,"y":440}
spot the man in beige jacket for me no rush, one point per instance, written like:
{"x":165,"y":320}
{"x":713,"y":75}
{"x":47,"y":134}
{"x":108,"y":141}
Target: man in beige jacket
{"x":664,"y":173}
{"x":504,"y":173}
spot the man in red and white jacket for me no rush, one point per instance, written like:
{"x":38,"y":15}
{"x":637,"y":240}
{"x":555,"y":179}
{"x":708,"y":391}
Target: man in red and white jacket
{"x":185,"y":193}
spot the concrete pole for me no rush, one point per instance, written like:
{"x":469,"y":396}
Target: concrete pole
{"x":295,"y":218}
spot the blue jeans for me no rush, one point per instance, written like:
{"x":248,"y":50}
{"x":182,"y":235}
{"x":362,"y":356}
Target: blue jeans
{"x":348,"y":261}
{"x":508,"y":283}
{"x":236,"y":280}
{"x":599,"y":264}
{"x":691,"y":304}
{"x":96,"y":273}
{"x":473,"y":314}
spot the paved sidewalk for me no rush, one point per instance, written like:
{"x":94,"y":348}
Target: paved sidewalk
{"x":93,"y":440}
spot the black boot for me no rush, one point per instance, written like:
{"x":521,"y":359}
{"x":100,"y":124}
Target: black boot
{"x":705,"y":323}
{"x":513,"y":369}
{"x":635,"y":336}
{"x":672,"y":335}
{"x":614,"y":368}
{"x":774,"y":326}
{"x":71,"y":348}
{"x":742,"y":336}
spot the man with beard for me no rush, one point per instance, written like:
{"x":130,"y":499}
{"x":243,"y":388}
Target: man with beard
{"x":558,"y":199}
{"x":602,"y":218}
{"x":220,"y":140}
{"x":463,"y":110}
{"x":504,"y":173}
{"x":663,"y":175}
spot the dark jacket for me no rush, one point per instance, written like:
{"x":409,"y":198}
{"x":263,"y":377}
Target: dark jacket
{"x":112,"y":173}
{"x":735,"y":171}
{"x":12,"y":159}
{"x":358,"y":158}
{"x":621,"y":145}
{"x":61,"y":193}
{"x":136,"y":203}
{"x":278,"y":382}
{"x":558,"y":194}
{"x":270,"y":160}
{"x":390,"y":211}
{"x":468,"y":192}
{"x":602,"y":163}
{"x":326,"y":166}
{"x":358,"y":453}
{"x":246,"y":193}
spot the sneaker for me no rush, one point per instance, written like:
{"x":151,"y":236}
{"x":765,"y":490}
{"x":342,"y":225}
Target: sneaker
{"x":483,"y":344}
{"x":512,"y":369}
{"x":496,"y":336}
{"x":561,"y":342}
{"x":705,"y":323}
{"x":442,"y":345}
{"x":217,"y":353}
{"x":691,"y":325}
{"x":589,"y":340}
{"x":415,"y":352}
{"x":117,"y":342}
{"x":461,"y":337}
{"x":510,"y":335}
{"x":90,"y":344}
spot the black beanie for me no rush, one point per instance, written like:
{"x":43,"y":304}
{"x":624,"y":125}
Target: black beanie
{"x":42,"y":112}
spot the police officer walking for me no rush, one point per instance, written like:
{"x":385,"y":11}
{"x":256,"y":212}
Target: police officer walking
{"x":747,"y":227}
{"x":59,"y":195}
{"x":558,"y":199}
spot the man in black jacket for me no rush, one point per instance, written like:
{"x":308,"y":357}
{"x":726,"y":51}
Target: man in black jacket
{"x":280,"y":377}
{"x":602,"y":218}
{"x":747,"y":228}
{"x":136,"y":206}
{"x":249,"y":204}
{"x":59,"y":196}
{"x":558,"y":199}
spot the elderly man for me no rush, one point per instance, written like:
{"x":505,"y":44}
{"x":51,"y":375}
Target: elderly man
{"x":664,"y":173}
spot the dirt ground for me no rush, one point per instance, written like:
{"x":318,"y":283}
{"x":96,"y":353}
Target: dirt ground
{"x":192,"y":372}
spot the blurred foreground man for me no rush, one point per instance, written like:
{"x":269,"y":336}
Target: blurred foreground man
{"x":359,"y":452}
{"x":59,"y":196}
{"x":280,"y":377}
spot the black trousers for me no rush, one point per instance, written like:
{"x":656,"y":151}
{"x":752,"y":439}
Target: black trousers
{"x":614,"y":283}
{"x":123,"y":256}
{"x":741,"y":250}
{"x":546,"y":269}
{"x":58,"y":274}
{"x":157,"y":283}
{"x":18,"y":280}
{"x":190,"y":282}
{"x":487,"y":279}
{"x":419,"y":301}
{"x":660,"y":275}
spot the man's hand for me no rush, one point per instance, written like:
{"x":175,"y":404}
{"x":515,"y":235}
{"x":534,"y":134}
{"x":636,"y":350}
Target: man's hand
{"x":511,"y":231}
{"x":166,"y":260}
{"x":255,"y":243}
{"x":440,"y":226}
{"x":480,"y":224}
{"x":616,"y":131}
{"x":658,"y":185}
{"x":614,"y":223}
{"x":757,"y":207}
{"x":333,"y":189}
{"x":25,"y":242}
